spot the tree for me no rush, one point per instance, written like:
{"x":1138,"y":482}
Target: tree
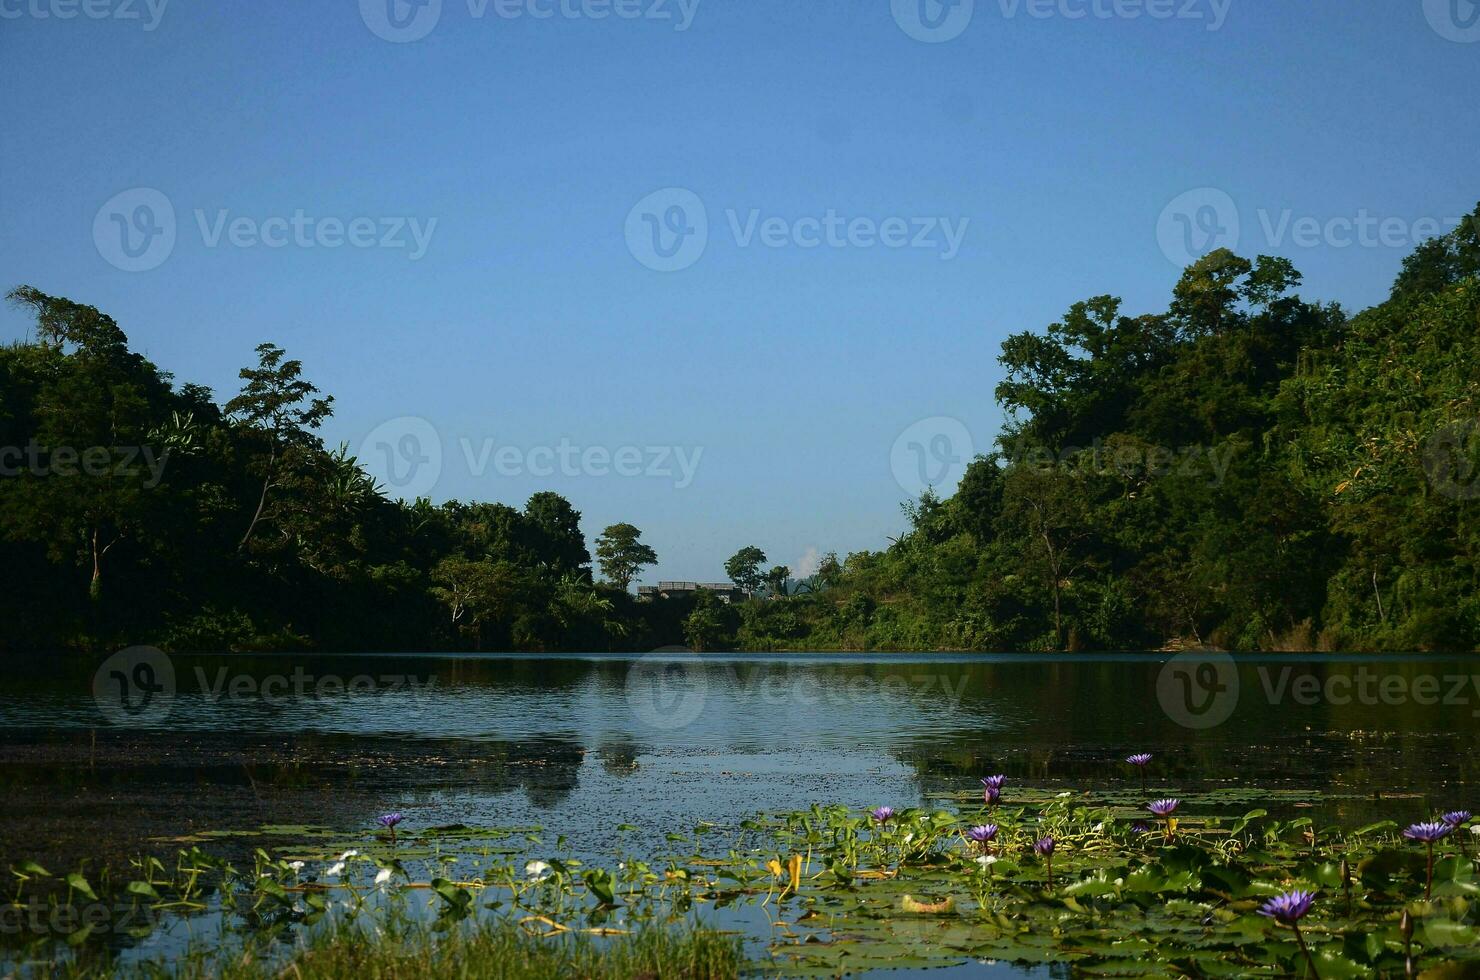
{"x":744,"y":569}
{"x":271,"y":404}
{"x":553,"y":530}
{"x":710,"y":625}
{"x":776,"y":580}
{"x":622,"y":555}
{"x":93,"y":406}
{"x":475,"y":593}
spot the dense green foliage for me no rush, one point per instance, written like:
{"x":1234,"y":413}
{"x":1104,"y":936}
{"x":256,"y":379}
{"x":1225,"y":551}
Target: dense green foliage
{"x":133,"y":511}
{"x":1247,"y":469}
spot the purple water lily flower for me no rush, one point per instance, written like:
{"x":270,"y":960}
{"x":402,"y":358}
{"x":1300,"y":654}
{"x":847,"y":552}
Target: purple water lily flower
{"x":1457,"y":819}
{"x":1140,"y":760}
{"x":1043,"y":847}
{"x":991,"y":797}
{"x":883,"y":814}
{"x":983,"y":834}
{"x":1428,"y":834}
{"x":1288,"y":909}
{"x":389,"y":821}
{"x":1140,"y":827}
{"x":994,"y":782}
{"x":1165,"y":809}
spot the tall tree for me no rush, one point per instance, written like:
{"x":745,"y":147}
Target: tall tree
{"x":744,"y":569}
{"x":622,"y":555}
{"x":280,"y":407}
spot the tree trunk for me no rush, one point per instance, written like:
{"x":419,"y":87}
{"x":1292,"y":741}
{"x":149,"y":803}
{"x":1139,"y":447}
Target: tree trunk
{"x":262,"y":499}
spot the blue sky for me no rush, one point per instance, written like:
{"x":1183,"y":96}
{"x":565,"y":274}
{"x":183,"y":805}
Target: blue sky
{"x":779,"y":388}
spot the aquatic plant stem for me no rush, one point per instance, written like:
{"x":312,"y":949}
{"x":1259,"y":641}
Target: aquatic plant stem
{"x":1309,"y":960}
{"x":1428,"y":888}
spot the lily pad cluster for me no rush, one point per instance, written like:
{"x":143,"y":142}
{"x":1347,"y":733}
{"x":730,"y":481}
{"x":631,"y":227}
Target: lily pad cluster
{"x":1184,"y":885}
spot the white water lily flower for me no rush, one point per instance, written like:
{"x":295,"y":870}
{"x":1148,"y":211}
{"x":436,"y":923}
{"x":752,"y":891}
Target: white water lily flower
{"x":909,"y":837}
{"x":337,"y":868}
{"x":1100,"y":827}
{"x":1064,"y":794}
{"x":296,"y":865}
{"x":383,"y":876}
{"x":349,"y":854}
{"x":987,"y":860}
{"x":1475,"y":829}
{"x":536,"y":870}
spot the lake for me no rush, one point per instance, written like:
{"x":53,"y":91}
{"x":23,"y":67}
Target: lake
{"x":96,"y":763}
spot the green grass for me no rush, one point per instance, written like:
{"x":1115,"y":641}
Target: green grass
{"x":497,"y":950}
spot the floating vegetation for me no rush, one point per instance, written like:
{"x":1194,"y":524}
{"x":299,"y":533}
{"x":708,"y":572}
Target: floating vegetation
{"x":1052,"y":877}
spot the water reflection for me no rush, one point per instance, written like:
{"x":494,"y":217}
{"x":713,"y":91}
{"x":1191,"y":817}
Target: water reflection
{"x":672,"y":739}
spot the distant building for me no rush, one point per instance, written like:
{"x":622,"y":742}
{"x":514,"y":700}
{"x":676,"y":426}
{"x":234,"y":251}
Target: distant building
{"x":668,"y":590}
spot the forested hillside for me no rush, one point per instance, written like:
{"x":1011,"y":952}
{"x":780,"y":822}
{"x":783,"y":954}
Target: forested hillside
{"x":1248,"y":469}
{"x":133,"y":511}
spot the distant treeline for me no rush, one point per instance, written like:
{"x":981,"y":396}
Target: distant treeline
{"x":1247,"y":470}
{"x":136,"y":512}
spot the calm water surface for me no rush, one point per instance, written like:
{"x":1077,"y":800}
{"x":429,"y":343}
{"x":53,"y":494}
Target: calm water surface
{"x":579,"y":744}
